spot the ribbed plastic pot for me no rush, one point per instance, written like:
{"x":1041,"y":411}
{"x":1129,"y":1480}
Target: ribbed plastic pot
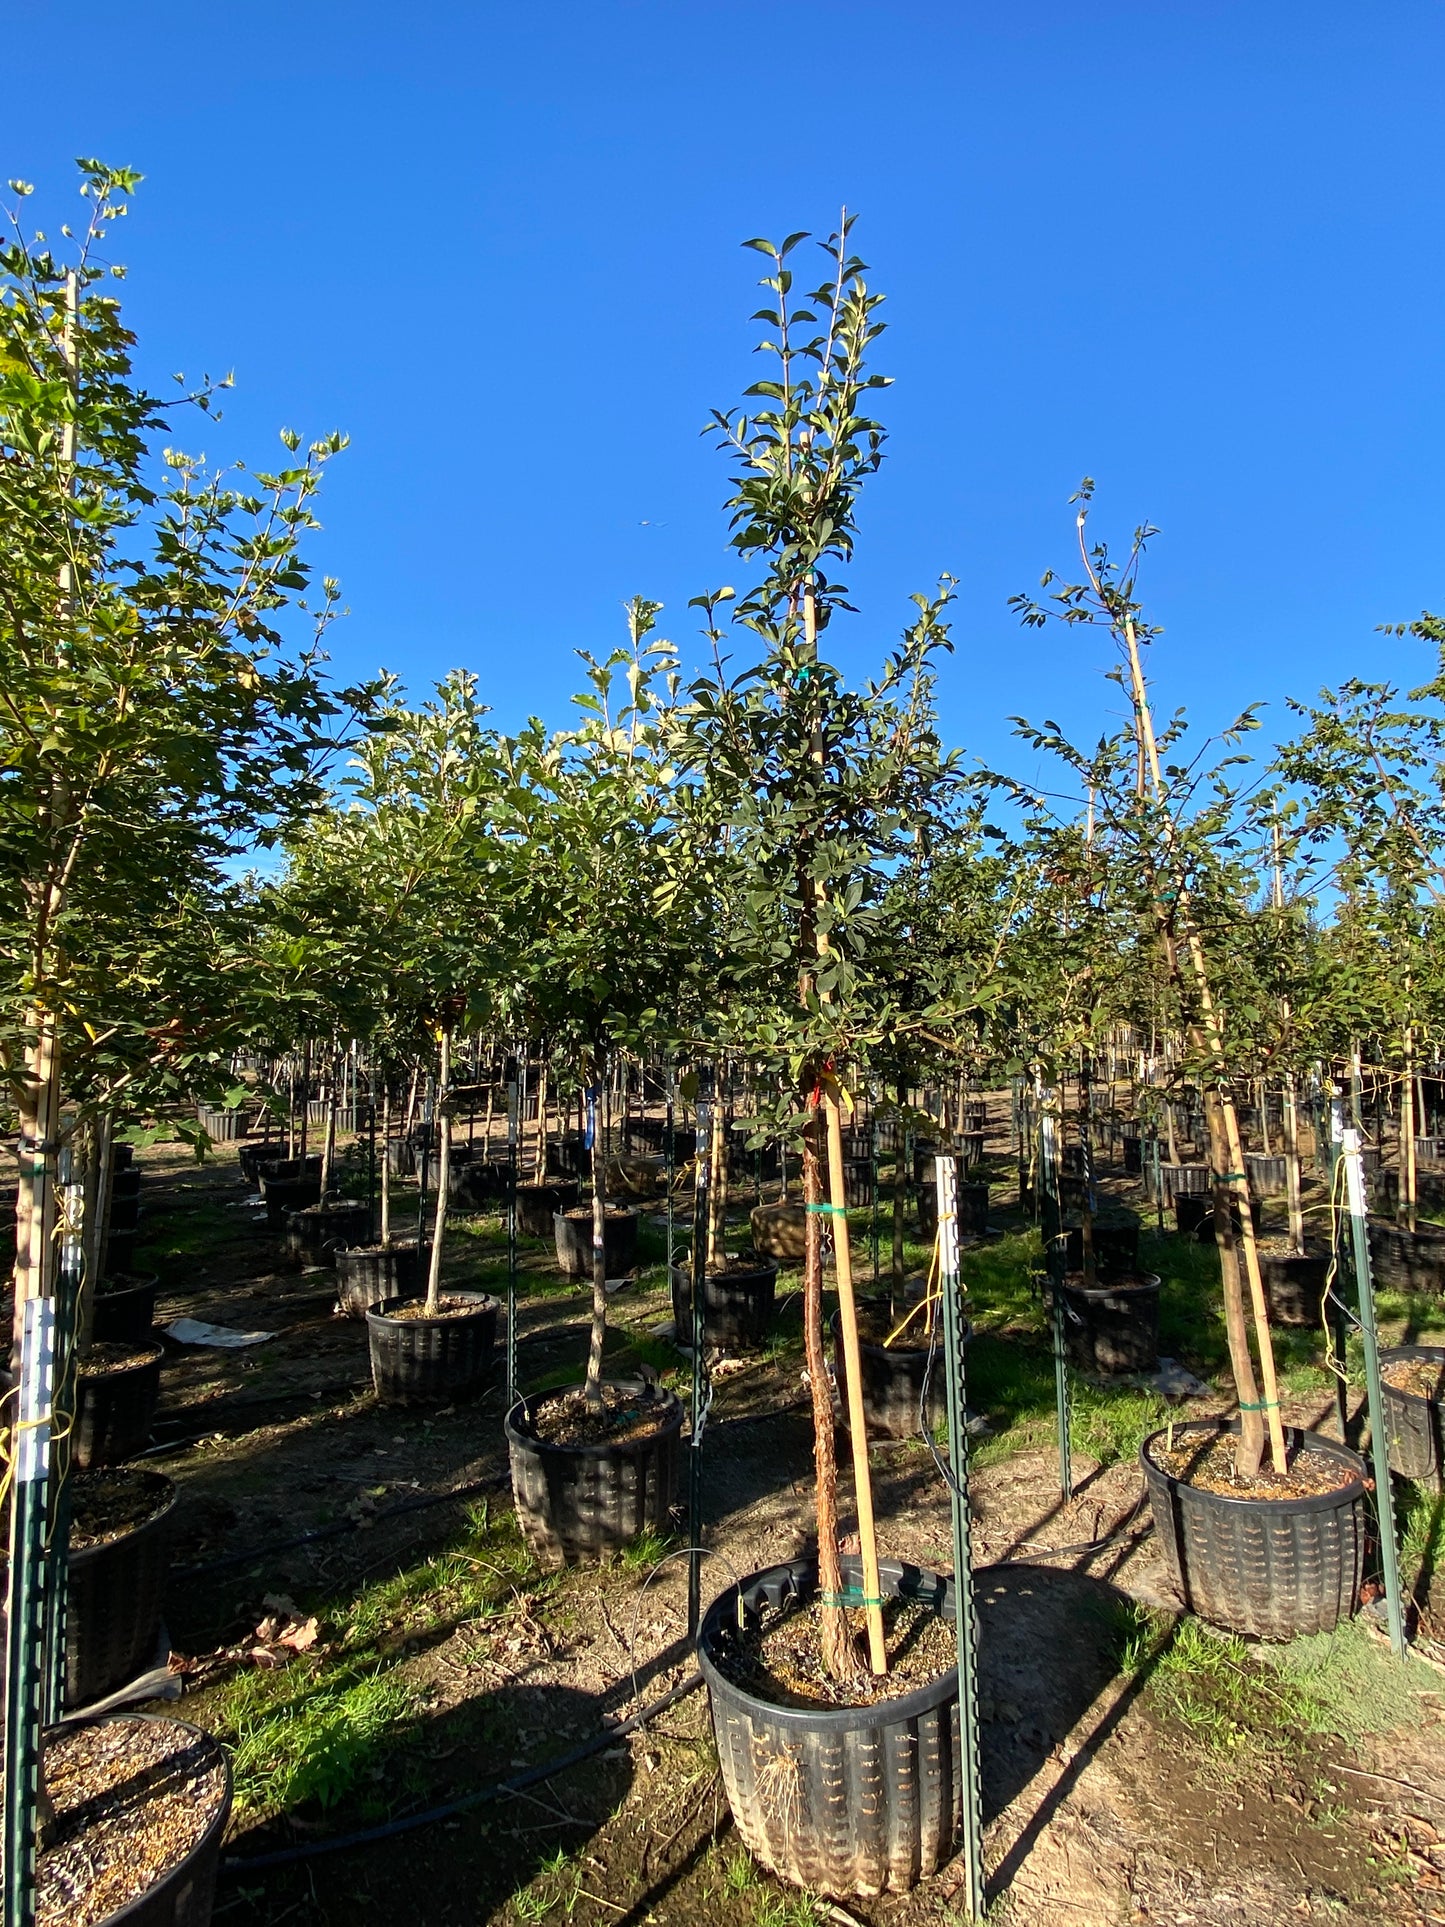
{"x":842,"y":1800}
{"x":122,"y":1156}
{"x":122,"y":1213}
{"x":223,"y":1127}
{"x":114,"y":1410}
{"x":1415,"y":1425}
{"x":400,"y":1157}
{"x":251,"y":1158}
{"x":124,"y":1183}
{"x":572,"y":1231}
{"x":567,"y":1155}
{"x":976,"y":1121}
{"x":1116,"y":1245}
{"x":1194,"y":1215}
{"x":426,"y":1361}
{"x":1294,"y":1286}
{"x":1183,"y":1180}
{"x":1268,"y":1177}
{"x":893,"y":1379}
{"x":737,"y":1306}
{"x":186,"y":1895}
{"x":780,"y":1230}
{"x":285,"y":1195}
{"x":538,"y":1204}
{"x":1134,"y":1157}
{"x":118,"y":1249}
{"x":477,"y":1184}
{"x":972,"y":1208}
{"x":858,"y":1182}
{"x":278,"y":1168}
{"x":581,"y":1502}
{"x":316,"y":1231}
{"x":367,"y":1275}
{"x":113,"y":1603}
{"x":969,"y":1145}
{"x":125,"y":1310}
{"x":1270,"y":1568}
{"x":1408,"y":1260}
{"x":1113,"y":1328}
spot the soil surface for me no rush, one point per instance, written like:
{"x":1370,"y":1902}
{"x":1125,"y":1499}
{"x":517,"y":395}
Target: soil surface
{"x":106,"y":1504}
{"x":131,"y":1799}
{"x":107,"y":1356}
{"x":1209,"y":1465}
{"x":779,"y":1658}
{"x":416,"y":1309}
{"x":1421,"y":1377}
{"x":566,"y":1419}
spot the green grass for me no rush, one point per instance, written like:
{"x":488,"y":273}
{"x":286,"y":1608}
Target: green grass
{"x":298,"y":1738}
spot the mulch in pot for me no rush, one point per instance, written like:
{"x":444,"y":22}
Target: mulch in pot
{"x":1209,"y":1465}
{"x":132,"y":1797}
{"x":445,"y":1308}
{"x":1421,"y":1377}
{"x":110,"y":1502}
{"x":564,"y":1419}
{"x":779,"y":1658}
{"x":105,"y":1357}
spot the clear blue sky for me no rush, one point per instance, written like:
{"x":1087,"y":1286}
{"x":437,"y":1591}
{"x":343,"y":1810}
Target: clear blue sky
{"x":1193,"y":250}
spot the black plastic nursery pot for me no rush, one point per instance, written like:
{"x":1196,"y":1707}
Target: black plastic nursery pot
{"x":125,"y":1309}
{"x":1134,"y":1157}
{"x":366,"y":1275}
{"x":737,"y":1304}
{"x":568,"y":1155}
{"x":278,"y":1167}
{"x":1113,"y":1326}
{"x":972,"y":1209}
{"x":1294,"y":1285}
{"x":118,"y":1250}
{"x":477,"y":1184}
{"x":114,"y":1410}
{"x":122,"y":1156}
{"x":400,"y":1157}
{"x":1270,"y":1568}
{"x":573,"y":1233}
{"x":250,"y":1158}
{"x":842,"y":1800}
{"x":893,"y":1377}
{"x":285,"y":1195}
{"x":858,"y":1182}
{"x":113,"y":1604}
{"x":1408,"y":1260}
{"x":1184,"y":1180}
{"x":1115,"y":1241}
{"x":1414,"y":1421}
{"x":317,"y":1231}
{"x":1268,"y":1176}
{"x":1194,"y":1215}
{"x":184,"y":1893}
{"x":539,"y":1203}
{"x":428,"y":1361}
{"x":581,"y":1502}
{"x":969,"y":1145}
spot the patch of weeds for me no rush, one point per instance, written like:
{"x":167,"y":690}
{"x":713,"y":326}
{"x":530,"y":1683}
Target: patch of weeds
{"x":658,"y":1353}
{"x":647,"y":1550}
{"x":1227,"y":1700}
{"x":1110,"y":1426}
{"x":1421,"y":1517}
{"x":780,"y":1910}
{"x":1346,"y":1684}
{"x":298,"y":1736}
{"x":740,"y":1873}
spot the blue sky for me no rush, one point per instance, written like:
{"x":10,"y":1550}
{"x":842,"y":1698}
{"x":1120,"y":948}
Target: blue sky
{"x":1192,"y":250}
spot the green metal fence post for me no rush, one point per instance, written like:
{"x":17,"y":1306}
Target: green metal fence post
{"x":965,"y":1615}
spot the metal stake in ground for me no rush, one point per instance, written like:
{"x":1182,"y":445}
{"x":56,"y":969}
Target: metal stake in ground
{"x":513,"y":1108}
{"x":1379,"y":1440}
{"x":25,"y":1622}
{"x":1056,"y":1254}
{"x":701,"y":1389}
{"x":965,"y":1618}
{"x":67,"y":1322}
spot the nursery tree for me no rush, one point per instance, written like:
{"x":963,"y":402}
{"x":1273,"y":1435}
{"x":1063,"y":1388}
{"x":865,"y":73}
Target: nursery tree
{"x":804,"y":789}
{"x":1173,"y":825}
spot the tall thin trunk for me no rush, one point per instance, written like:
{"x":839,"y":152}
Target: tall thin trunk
{"x":540,"y":1168}
{"x":900,"y":1190}
{"x":1409,"y":1186}
{"x":328,"y":1141}
{"x":717,"y":1201}
{"x":444,"y":1171}
{"x":598,"y":1338}
{"x":1292,"y":1167}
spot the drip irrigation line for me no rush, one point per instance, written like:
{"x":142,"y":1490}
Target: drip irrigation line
{"x":480,"y":1796}
{"x":338,"y":1527}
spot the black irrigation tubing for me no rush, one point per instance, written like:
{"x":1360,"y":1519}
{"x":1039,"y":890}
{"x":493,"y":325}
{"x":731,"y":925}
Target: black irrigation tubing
{"x":481,"y":1796}
{"x":339,"y":1526}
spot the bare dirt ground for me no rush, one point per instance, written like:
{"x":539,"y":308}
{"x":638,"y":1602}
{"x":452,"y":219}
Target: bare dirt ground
{"x":1114,"y":1791}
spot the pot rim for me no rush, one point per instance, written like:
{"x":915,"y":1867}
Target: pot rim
{"x":836,"y":1719}
{"x":672,"y":1414}
{"x":584,"y":1211}
{"x":1127,"y":1283}
{"x":1294,"y":1435}
{"x":152,"y":1355}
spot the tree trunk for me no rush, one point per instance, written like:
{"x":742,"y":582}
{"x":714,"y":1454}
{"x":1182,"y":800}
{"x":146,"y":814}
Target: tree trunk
{"x":900,"y":1191}
{"x":328,"y":1140}
{"x":1292,"y":1167}
{"x":386,"y":1155}
{"x":1409,"y":1185}
{"x":444,"y":1172}
{"x":717,"y":1197}
{"x":599,"y":1266}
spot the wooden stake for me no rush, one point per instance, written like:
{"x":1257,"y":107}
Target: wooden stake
{"x":853,"y":1368}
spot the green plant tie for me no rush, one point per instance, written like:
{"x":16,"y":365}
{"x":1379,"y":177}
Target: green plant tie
{"x":849,"y":1596}
{"x":838,"y":1210}
{"x":1259,"y":1405}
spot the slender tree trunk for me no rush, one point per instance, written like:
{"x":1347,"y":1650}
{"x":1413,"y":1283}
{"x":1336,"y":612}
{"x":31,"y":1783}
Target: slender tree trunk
{"x":1292,"y":1167}
{"x":328,"y":1140}
{"x":593,"y":1390}
{"x":717,"y":1201}
{"x":386,"y":1155}
{"x":1409,"y":1184}
{"x":444,"y":1171}
{"x":900,"y":1191}
{"x":541,"y":1163}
